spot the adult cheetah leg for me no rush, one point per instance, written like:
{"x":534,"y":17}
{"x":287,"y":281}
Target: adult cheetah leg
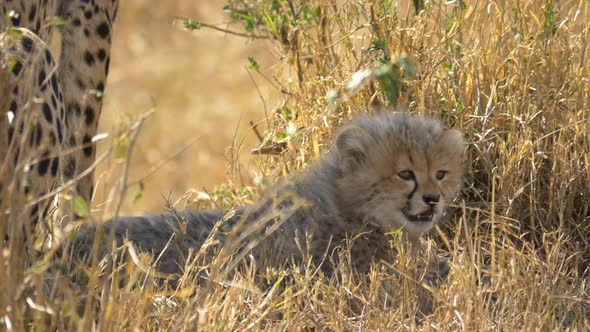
{"x":84,"y":65}
{"x":39,"y":133}
{"x":31,"y":135}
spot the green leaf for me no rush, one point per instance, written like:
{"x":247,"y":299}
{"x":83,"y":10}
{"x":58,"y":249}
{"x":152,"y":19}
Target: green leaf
{"x":80,"y":207}
{"x":121,"y":147}
{"x":29,"y":186}
{"x":137,"y":197}
{"x":11,"y":65}
{"x":377,"y":45}
{"x":407,"y":66}
{"x":61,"y":268}
{"x":390,"y":80}
{"x":286,"y":111}
{"x":99,"y":94}
{"x":316,"y":12}
{"x":271,"y":24}
{"x":14,"y":33}
{"x":244,"y":191}
{"x":191,"y":24}
{"x":253,"y":64}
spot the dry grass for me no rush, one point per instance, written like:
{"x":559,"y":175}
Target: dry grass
{"x":513,"y":76}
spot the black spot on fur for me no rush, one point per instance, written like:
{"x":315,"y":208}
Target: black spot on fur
{"x":88,"y":14}
{"x":102,"y":54}
{"x":106,"y":65}
{"x":89,"y":114}
{"x":27,"y":44}
{"x":54,"y":84}
{"x":70,"y":168}
{"x":33,"y":12}
{"x":39,"y":134}
{"x":78,"y":188}
{"x":17,"y":68}
{"x":86,"y":32}
{"x":81,"y":84}
{"x":15,"y":20}
{"x":16,"y":156}
{"x":35,"y":210}
{"x":75,"y":107}
{"x":13,"y":107}
{"x":103,"y":30}
{"x":89,"y":58}
{"x":60,"y":135}
{"x":43,"y":166}
{"x":76,"y":22}
{"x":48,"y":57}
{"x":47,"y":112}
{"x":88,"y":147}
{"x":54,"y":166}
{"x":42,"y":77}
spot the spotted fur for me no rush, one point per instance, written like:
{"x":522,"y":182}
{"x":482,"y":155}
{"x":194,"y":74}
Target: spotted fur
{"x":54,"y":100}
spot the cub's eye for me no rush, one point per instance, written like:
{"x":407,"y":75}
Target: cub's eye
{"x":441,"y":175}
{"x":406,"y":175}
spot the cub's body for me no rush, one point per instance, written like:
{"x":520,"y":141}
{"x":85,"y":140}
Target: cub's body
{"x":384,"y":173}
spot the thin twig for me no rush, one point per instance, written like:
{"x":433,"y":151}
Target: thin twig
{"x":254,"y":127}
{"x":134,"y":134}
{"x":259,"y":93}
{"x":229,"y":32}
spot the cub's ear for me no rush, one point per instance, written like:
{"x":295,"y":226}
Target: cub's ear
{"x":453,"y":140}
{"x":352,"y":145}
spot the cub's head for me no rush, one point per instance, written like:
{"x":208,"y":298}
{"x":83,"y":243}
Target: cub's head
{"x":398,"y":171}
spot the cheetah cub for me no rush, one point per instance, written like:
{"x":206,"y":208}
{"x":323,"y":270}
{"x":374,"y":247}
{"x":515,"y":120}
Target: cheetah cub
{"x":384,"y":172}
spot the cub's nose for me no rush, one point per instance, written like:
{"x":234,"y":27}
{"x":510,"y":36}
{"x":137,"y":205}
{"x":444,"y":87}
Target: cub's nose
{"x":431,"y":199}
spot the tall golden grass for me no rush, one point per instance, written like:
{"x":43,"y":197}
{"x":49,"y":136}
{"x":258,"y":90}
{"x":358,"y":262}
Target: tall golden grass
{"x":513,"y":76}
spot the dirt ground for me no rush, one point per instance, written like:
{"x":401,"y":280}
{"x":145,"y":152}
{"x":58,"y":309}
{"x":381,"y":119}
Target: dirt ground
{"x":199,"y":88}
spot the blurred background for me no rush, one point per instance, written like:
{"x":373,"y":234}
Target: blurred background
{"x":198,"y":86}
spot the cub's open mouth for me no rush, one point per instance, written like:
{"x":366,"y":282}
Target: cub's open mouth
{"x":425,"y":216}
